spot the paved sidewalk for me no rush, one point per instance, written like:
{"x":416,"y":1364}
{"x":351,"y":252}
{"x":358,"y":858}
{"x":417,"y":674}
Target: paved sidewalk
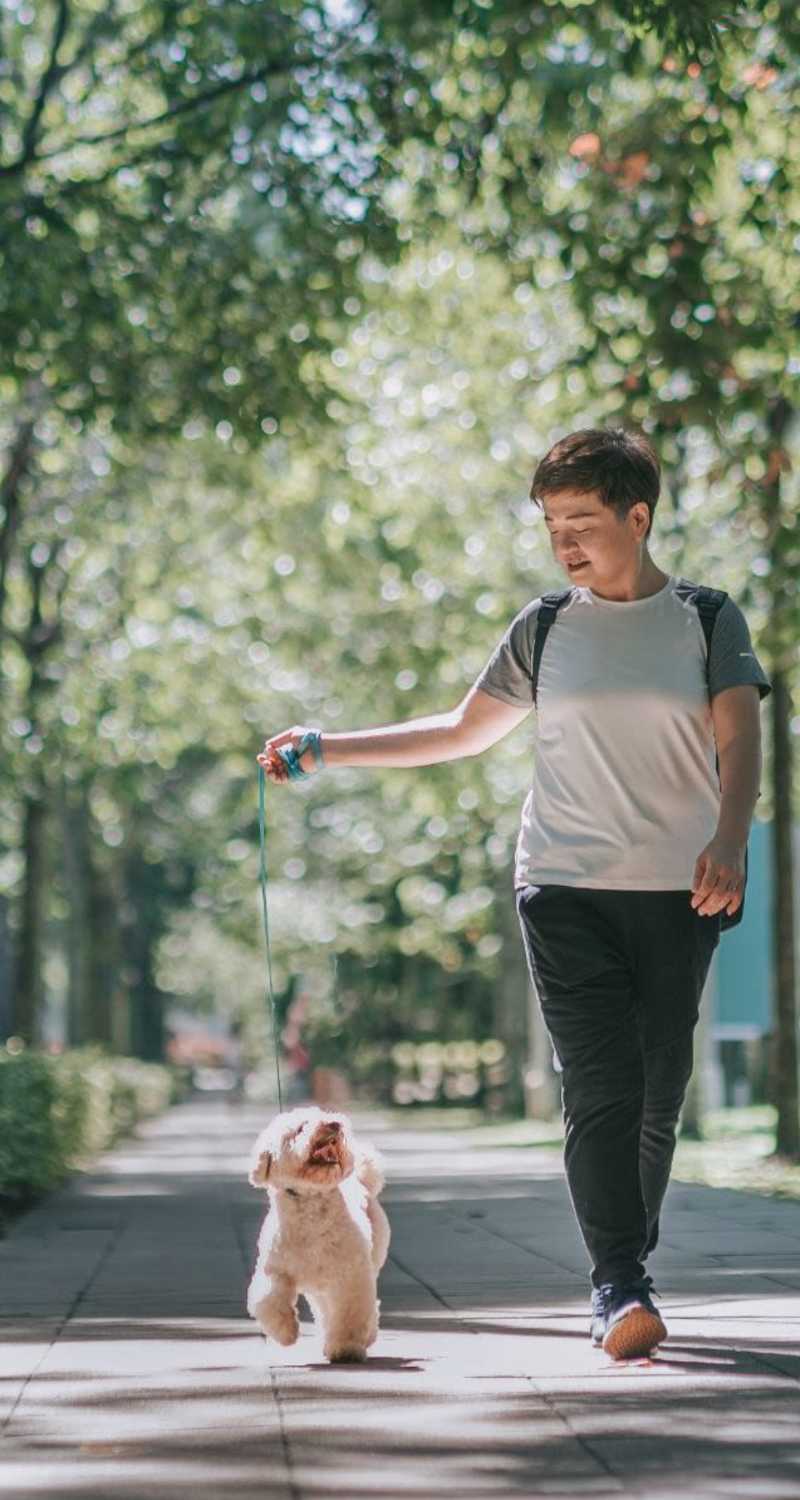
{"x":129,"y":1369}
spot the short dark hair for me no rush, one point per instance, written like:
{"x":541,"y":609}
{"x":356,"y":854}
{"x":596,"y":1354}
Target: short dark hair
{"x":620,"y":465}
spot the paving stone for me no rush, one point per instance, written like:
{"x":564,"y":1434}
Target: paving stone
{"x":128,"y":1368}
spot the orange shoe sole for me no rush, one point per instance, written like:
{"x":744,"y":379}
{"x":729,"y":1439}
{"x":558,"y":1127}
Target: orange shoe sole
{"x":636,"y":1334}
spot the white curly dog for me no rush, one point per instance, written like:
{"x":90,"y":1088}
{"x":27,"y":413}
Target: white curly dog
{"x":325,"y":1233}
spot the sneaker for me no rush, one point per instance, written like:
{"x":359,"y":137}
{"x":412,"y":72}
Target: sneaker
{"x":598,"y":1324}
{"x":624,"y":1320}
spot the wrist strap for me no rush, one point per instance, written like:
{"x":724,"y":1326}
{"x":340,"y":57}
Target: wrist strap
{"x":291,"y":754}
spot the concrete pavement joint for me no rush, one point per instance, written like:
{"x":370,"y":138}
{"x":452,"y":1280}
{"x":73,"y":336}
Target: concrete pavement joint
{"x":509,"y":1239}
{"x":294,"y":1489}
{"x":419,"y":1280}
{"x":69,"y":1314}
{"x":583,"y":1443}
{"x":527,"y":1409}
{"x":247,"y":1251}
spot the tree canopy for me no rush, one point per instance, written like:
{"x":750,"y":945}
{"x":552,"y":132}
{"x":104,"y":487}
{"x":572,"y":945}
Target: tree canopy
{"x":315,"y":286}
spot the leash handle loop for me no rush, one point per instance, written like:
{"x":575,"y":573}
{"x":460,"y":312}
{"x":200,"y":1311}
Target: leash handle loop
{"x":290,"y":754}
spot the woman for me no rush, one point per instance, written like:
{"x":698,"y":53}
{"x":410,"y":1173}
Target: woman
{"x":631,"y":844}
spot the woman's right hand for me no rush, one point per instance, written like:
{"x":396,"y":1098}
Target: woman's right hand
{"x":274,"y":764}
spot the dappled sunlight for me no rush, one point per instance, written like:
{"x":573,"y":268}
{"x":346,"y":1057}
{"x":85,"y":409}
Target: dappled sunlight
{"x":144,"y":1189}
{"x":148,"y":1375}
{"x":294,"y":299}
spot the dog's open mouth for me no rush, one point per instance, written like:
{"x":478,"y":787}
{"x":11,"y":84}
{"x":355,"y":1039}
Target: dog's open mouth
{"x":324,"y":1153}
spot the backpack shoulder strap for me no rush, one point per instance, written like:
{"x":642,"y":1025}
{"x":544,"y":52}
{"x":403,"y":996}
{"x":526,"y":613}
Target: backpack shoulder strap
{"x":548,"y":609}
{"x":708,"y":603}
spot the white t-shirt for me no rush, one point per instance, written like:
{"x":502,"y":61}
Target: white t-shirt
{"x":625,"y":791}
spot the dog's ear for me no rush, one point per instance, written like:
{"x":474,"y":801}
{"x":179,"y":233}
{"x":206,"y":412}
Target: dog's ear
{"x":259,"y":1172}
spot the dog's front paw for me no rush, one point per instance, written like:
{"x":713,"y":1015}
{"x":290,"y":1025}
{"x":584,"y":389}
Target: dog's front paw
{"x":345,"y":1353}
{"x":277,"y":1322}
{"x":284,"y":1329}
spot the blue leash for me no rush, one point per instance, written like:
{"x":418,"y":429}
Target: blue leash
{"x":291,"y":756}
{"x":261,"y":779}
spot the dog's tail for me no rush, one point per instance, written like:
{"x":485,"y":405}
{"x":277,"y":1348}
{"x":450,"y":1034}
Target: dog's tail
{"x":369,"y":1169}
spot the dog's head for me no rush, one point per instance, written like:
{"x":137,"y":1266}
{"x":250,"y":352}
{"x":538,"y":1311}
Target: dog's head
{"x":309,"y":1149}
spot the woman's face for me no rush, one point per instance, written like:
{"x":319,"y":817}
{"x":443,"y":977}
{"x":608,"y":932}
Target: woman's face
{"x":589,"y":541}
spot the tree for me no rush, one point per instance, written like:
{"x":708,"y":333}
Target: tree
{"x":184,"y":181}
{"x":232,"y":171}
{"x":667,"y":186}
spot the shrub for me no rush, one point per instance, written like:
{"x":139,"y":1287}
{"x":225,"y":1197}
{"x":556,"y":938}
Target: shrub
{"x":31,"y":1150}
{"x":57,"y":1111}
{"x":104,"y":1096}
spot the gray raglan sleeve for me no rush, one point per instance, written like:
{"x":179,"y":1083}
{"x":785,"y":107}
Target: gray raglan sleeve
{"x":733,"y":662}
{"x":507,"y":674}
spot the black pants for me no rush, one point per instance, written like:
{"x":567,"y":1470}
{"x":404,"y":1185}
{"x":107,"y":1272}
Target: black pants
{"x":619,"y":975}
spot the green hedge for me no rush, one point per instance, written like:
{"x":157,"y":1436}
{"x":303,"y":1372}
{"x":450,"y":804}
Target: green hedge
{"x":56,"y":1111}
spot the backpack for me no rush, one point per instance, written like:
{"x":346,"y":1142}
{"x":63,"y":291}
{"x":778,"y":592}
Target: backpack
{"x":708,"y":603}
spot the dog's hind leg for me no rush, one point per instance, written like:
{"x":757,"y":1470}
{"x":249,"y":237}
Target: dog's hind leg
{"x":272,"y":1301}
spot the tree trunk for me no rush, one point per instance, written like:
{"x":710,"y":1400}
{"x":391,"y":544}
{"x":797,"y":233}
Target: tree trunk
{"x":700,"y":1086}
{"x":17,"y":466}
{"x":108,"y":1013}
{"x":787,"y":1140}
{"x":6,"y":1026}
{"x":29,"y":985}
{"x":783,"y":653}
{"x":691,"y":1122}
{"x":137,"y":940}
{"x":38,"y":639}
{"x":509,"y":993}
{"x":542,"y":1083}
{"x":95,"y":993}
{"x":75,"y":838}
{"x":147,"y":1023}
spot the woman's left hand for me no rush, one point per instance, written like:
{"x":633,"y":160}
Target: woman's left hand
{"x":718,"y":882}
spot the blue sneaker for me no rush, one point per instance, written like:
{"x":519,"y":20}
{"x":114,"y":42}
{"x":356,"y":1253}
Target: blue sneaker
{"x":624,"y":1320}
{"x":598,"y":1324}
